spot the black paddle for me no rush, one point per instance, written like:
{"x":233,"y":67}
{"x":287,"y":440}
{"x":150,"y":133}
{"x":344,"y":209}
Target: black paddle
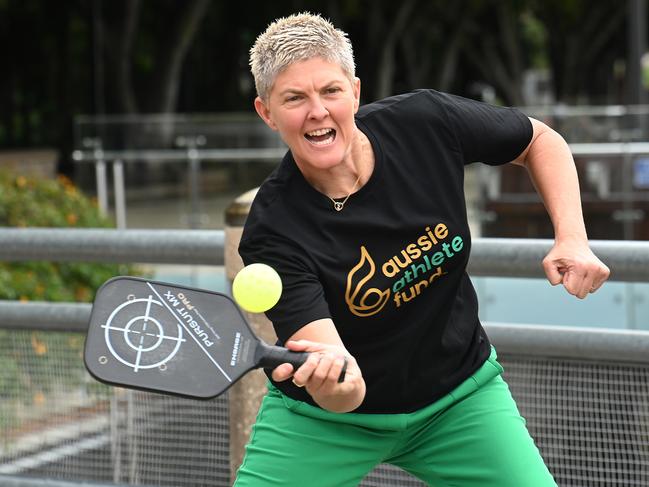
{"x":174,"y":339}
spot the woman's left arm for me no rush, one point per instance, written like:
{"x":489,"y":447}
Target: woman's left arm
{"x":551,"y":167}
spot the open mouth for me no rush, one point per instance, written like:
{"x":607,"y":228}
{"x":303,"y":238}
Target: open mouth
{"x":321,"y":136}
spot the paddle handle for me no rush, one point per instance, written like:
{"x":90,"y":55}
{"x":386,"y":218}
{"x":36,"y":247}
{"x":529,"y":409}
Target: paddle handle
{"x":271,"y":356}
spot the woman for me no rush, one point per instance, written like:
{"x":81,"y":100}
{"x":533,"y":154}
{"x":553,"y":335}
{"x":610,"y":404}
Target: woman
{"x":365,"y":222}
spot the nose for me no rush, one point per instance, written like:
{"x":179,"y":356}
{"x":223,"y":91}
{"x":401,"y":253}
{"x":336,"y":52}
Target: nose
{"x":317,"y":109}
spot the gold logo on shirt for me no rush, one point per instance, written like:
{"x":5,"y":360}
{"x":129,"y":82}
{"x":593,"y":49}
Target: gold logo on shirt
{"x":412,"y":270}
{"x":372,"y":300}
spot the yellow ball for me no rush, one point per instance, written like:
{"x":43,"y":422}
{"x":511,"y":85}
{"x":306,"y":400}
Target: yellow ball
{"x":257,"y":288}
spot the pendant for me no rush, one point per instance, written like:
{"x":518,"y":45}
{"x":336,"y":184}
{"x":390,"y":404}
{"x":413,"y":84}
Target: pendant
{"x":338,"y":205}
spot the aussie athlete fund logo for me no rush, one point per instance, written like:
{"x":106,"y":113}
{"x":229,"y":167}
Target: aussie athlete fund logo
{"x":412,"y":270}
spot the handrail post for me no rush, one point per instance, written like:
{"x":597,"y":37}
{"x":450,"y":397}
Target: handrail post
{"x":246,"y":395}
{"x":120,"y":193}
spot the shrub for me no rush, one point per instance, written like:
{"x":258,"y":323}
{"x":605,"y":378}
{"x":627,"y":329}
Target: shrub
{"x":38,"y":202}
{"x":32,"y":363}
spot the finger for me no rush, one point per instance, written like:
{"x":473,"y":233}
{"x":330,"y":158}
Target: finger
{"x":585,"y":286}
{"x":300,"y":345}
{"x":603,"y":274}
{"x":331,"y":383}
{"x":321,"y":373}
{"x":303,"y":374}
{"x":579,"y":284}
{"x":552,"y":272}
{"x":595,"y":286}
{"x":338,"y":370}
{"x":583,"y":292}
{"x":590,"y":279}
{"x":572,"y":282}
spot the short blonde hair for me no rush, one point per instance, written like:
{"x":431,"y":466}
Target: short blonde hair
{"x":298,"y":37}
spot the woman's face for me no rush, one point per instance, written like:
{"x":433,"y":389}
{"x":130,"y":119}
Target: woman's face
{"x":312,"y":106}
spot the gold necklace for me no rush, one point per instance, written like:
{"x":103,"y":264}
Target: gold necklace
{"x":339,"y":205}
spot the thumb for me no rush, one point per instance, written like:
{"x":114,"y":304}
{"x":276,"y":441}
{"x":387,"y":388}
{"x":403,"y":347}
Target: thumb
{"x":282,"y":372}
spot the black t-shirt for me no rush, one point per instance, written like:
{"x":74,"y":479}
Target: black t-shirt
{"x":389,"y":269}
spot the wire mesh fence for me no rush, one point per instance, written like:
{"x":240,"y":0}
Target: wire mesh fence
{"x":58,"y":423}
{"x":590,"y":421}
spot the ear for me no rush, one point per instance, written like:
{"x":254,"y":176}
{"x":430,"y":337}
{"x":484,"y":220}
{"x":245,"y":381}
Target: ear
{"x":356,"y":88}
{"x":264,"y":113}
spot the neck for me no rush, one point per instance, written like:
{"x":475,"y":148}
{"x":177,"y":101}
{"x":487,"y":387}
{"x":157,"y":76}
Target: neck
{"x":351,"y":174}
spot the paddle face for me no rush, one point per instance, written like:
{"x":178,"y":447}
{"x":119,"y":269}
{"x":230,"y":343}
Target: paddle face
{"x":167,"y":338}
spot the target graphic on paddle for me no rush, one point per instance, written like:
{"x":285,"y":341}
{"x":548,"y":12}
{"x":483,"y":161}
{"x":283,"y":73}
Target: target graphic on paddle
{"x":172,"y":339}
{"x":139,"y":335}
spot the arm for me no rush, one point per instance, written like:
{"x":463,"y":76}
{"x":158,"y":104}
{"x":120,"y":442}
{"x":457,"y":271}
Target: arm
{"x":319,"y":375}
{"x":570,"y":262}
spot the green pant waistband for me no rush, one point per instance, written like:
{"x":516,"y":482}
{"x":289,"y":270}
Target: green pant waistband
{"x":394,"y":422}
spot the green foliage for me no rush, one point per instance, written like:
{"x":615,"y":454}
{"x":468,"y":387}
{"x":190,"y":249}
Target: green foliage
{"x":37,"y":202}
{"x":535,"y":35}
{"x":577,"y":41}
{"x":28,"y":358}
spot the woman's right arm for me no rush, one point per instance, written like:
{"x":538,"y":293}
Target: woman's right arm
{"x":319,"y":375}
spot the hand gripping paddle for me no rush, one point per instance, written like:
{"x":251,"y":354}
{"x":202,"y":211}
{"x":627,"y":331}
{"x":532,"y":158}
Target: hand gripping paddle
{"x":174,"y":339}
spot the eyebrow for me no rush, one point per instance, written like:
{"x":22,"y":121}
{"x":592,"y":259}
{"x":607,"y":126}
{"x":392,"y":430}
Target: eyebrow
{"x":296,"y":91}
{"x":292,"y":91}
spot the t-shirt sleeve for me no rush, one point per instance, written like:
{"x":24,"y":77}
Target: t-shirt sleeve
{"x":487,"y":133}
{"x":302,"y":300}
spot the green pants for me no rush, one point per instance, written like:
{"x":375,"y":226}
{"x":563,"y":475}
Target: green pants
{"x":472,"y":437}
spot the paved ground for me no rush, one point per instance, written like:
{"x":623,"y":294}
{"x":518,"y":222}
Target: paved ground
{"x":176,"y":212}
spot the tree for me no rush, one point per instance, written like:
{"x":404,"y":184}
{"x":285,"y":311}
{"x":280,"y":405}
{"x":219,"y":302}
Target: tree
{"x":144,"y":56}
{"x":431,"y":50}
{"x":585,"y":39}
{"x":496,"y":47}
{"x":145,"y":63}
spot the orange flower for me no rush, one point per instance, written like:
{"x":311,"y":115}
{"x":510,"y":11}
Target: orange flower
{"x":82,"y":294}
{"x":40,"y":348}
{"x":39,"y":398}
{"x":64,"y":180}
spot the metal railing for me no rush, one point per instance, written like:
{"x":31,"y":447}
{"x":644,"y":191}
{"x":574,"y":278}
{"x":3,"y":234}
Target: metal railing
{"x":104,"y":245}
{"x":583,"y":391}
{"x":628,"y":260}
{"x":495,"y":257}
{"x":536,"y":340}
{"x":194,"y":154}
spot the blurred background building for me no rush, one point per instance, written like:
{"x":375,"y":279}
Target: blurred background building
{"x":147,"y":105}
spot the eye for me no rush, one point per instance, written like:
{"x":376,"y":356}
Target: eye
{"x":292,"y":98}
{"x":332,"y":90}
